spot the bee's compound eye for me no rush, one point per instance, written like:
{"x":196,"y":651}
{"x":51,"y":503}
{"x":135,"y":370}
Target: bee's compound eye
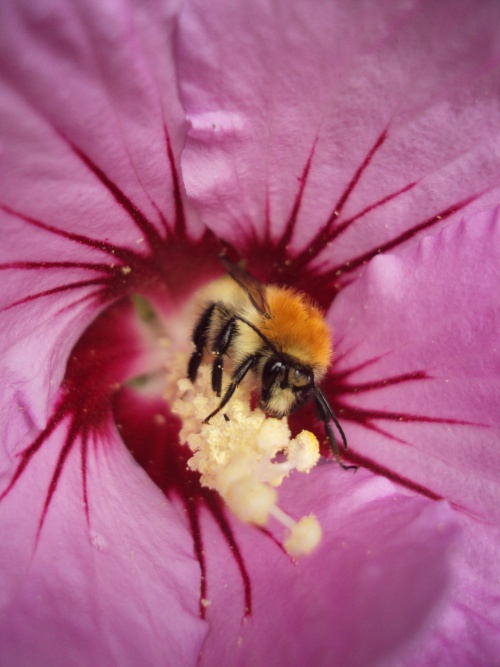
{"x":300,"y":377}
{"x":273,"y":372}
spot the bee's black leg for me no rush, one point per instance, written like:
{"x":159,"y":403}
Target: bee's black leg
{"x":238,"y":376}
{"x":220,"y":347}
{"x":326,"y":413}
{"x":200,"y":335}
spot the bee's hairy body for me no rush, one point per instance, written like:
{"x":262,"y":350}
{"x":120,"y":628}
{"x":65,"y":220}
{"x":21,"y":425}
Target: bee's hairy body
{"x":294,"y":326}
{"x":275,"y":334}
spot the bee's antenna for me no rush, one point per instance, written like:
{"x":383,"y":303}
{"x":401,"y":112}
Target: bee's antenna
{"x":326,"y":413}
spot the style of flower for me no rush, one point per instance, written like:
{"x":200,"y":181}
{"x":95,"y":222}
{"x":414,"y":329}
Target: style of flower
{"x":349,"y":151}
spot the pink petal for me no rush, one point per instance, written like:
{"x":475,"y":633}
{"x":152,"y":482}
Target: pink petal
{"x":121,"y":591}
{"x":369,"y":589}
{"x":419,"y":357}
{"x":96,"y":79}
{"x":433,"y":309}
{"x":406,"y":93}
{"x":99,"y":77}
{"x":89,"y":106}
{"x":467,"y":632}
{"x":96,"y":562}
{"x":88,"y":110}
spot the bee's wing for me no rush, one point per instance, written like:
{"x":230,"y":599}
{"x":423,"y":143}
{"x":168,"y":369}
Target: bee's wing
{"x":256,"y":291}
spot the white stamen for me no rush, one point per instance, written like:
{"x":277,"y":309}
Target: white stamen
{"x":242,"y":454}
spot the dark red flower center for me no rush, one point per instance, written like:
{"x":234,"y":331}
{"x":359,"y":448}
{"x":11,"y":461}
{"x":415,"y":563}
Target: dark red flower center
{"x":97,"y":393}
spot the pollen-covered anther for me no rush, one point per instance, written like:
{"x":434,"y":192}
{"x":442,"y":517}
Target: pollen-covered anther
{"x":304,"y":537}
{"x":251,"y":500}
{"x":304,"y":451}
{"x":242,"y":454}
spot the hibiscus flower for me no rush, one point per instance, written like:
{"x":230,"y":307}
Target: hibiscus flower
{"x":348,"y":151}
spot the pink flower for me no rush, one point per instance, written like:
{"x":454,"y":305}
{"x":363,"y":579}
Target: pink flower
{"x":351,"y":153}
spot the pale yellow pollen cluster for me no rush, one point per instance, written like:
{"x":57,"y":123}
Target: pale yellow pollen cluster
{"x":242,"y":454}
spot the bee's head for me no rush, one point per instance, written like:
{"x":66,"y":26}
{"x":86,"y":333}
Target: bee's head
{"x":286,"y":385}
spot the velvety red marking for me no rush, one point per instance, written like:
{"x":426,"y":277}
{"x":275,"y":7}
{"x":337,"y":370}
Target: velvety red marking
{"x":267,"y":218}
{"x":290,"y":268}
{"x":103,"y":357}
{"x":156,"y":274}
{"x":323,"y":237}
{"x":92,"y":396}
{"x":271,"y":261}
{"x":338,"y":385}
{"x":173,"y":266}
{"x":327,"y":283}
{"x":365,"y":417}
{"x":180,"y":215}
{"x":340,"y":376}
{"x":375,"y":467}
{"x":100,"y":268}
{"x":151,"y":433}
{"x":100,"y":361}
{"x":140,"y":220}
{"x":356,"y":262}
{"x":339,"y":229}
{"x":27,"y":454}
{"x":104,"y":354}
{"x":115,"y":251}
{"x":55,"y":290}
{"x":292,"y":219}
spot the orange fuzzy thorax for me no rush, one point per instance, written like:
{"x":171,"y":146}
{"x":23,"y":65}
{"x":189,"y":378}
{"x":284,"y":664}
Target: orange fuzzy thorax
{"x":297,"y":327}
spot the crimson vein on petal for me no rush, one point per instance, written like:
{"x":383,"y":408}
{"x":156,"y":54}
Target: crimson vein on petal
{"x":85,"y":409}
{"x":324,"y":236}
{"x":77,"y":400}
{"x":325,"y":283}
{"x":165,"y":460}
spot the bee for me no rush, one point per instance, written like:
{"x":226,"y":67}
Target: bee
{"x":276,"y":334}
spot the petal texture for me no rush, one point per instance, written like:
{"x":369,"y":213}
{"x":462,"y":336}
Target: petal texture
{"x":361,"y":120}
{"x":431,"y":309}
{"x":119,"y":591}
{"x":95,"y":560}
{"x":91,"y":127}
{"x":370,"y":588}
{"x":389,"y":117}
{"x":82,"y":85}
{"x":418,"y":344}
